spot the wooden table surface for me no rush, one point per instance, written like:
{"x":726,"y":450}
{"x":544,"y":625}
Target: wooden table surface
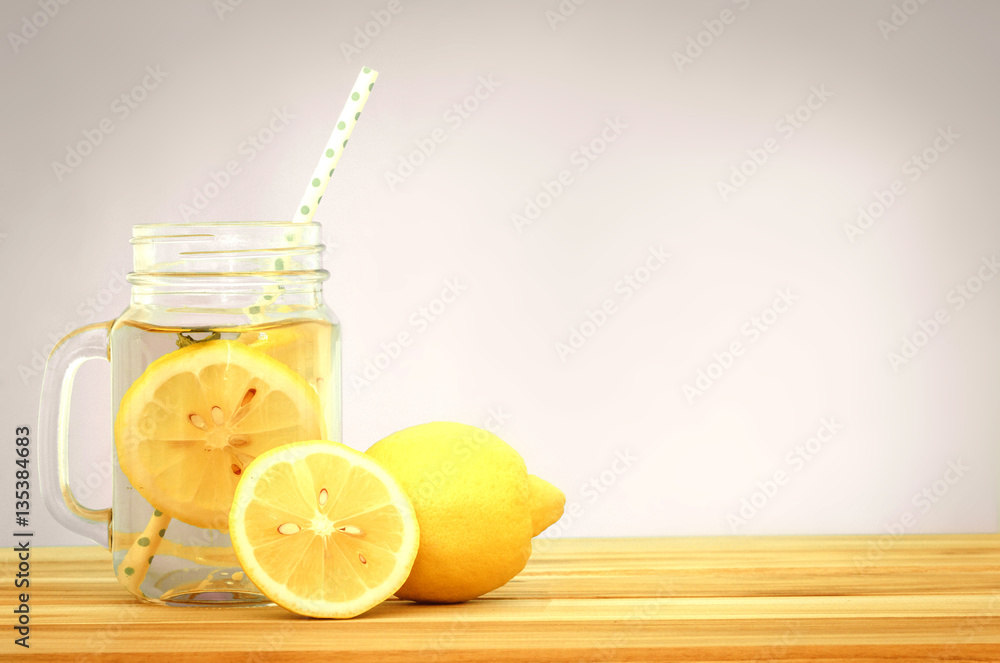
{"x":645,"y":599}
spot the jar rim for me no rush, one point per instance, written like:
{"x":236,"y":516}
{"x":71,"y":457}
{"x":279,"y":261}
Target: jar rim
{"x":154,"y":229}
{"x":167,"y":224}
{"x":228,"y":247}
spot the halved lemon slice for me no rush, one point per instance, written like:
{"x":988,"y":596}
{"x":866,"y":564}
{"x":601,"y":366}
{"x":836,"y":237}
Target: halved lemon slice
{"x":192,"y":422}
{"x":305,"y":347}
{"x":322,"y":529}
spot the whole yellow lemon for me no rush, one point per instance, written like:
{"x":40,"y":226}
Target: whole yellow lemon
{"x":476,"y":505}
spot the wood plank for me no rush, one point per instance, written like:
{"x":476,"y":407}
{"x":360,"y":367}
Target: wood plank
{"x":704,"y":599}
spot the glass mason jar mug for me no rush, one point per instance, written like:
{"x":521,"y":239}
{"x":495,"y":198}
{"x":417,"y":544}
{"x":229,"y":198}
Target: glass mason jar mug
{"x":225,"y":351}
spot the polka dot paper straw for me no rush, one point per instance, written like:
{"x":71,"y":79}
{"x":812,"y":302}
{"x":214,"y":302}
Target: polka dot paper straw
{"x":132,"y":570}
{"x":335,"y":146}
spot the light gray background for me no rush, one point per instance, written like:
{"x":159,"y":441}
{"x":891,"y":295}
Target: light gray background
{"x":62,"y":243}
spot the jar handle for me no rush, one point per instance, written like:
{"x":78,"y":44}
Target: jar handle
{"x":90,"y":342}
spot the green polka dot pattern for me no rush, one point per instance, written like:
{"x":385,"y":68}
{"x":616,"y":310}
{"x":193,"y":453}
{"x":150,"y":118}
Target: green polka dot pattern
{"x":331,"y":155}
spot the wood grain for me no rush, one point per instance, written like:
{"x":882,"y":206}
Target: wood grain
{"x":914,"y":598}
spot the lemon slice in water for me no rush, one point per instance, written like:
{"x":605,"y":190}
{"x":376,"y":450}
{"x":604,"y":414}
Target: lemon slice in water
{"x":305,"y":347}
{"x":189,"y":426}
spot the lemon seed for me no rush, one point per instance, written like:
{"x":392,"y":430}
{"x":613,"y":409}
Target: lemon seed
{"x":247,"y":397}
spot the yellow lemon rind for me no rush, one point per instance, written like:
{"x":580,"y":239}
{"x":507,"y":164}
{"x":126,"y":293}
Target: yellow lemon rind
{"x":277,"y":591}
{"x":191,"y":358}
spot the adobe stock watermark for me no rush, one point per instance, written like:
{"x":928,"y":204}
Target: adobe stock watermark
{"x":581,"y":159}
{"x":331,"y":246}
{"x":701,"y":41}
{"x":970,"y":628}
{"x":87,"y":312}
{"x":266,"y":643}
{"x":633,"y":623}
{"x":364,"y":34}
{"x":247,"y":150}
{"x":753,"y":330}
{"x":562,"y":12}
{"x":419,"y":322}
{"x":100,"y":473}
{"x":786,"y":127}
{"x":99,"y":641}
{"x":121,"y":108}
{"x":898,"y":17}
{"x":913,"y":169}
{"x":224,"y":7}
{"x":31,"y":25}
{"x":625,"y":288}
{"x":592,"y":491}
{"x":462,"y":452}
{"x":453,"y":118}
{"x":796,"y":460}
{"x":779,"y":651}
{"x":924,"y":500}
{"x":442,"y":642}
{"x":958,"y":297}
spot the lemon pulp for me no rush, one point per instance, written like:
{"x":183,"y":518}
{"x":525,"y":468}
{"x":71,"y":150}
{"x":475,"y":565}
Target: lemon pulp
{"x":188,"y":427}
{"x":322,"y":529}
